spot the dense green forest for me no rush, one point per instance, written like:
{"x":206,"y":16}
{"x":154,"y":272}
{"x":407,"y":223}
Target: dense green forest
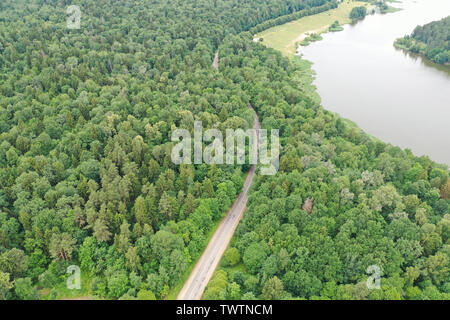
{"x":86,"y":176}
{"x":431,"y":40}
{"x":342,"y":201}
{"x":85,"y":121}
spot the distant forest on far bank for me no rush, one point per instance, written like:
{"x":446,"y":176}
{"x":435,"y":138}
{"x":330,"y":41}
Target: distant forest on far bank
{"x":431,"y":40}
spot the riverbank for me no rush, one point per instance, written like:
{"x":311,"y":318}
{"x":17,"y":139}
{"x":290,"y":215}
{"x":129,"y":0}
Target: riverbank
{"x":285,"y":37}
{"x":406,"y":48}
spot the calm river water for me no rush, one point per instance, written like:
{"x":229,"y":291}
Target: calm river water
{"x":394,"y":96}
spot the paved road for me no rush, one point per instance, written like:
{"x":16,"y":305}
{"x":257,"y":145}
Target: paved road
{"x":195,"y":286}
{"x":216,"y":61}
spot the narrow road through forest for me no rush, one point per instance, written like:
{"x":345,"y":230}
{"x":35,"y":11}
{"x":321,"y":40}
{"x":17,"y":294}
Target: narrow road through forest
{"x":195,"y":285}
{"x":216,"y":61}
{"x":204,"y":269}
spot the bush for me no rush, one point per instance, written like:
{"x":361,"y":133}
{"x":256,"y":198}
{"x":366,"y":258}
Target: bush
{"x":232,"y":257}
{"x":358,"y":13}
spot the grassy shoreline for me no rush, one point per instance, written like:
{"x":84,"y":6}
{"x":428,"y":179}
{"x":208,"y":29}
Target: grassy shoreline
{"x":285,"y":37}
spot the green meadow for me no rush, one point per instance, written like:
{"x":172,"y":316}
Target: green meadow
{"x":285,"y":37}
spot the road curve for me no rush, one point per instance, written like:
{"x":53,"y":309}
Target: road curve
{"x":204,"y":269}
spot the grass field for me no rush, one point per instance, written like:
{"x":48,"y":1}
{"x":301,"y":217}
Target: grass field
{"x":285,"y":37}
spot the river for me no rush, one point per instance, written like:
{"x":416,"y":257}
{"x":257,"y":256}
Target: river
{"x":399,"y":98}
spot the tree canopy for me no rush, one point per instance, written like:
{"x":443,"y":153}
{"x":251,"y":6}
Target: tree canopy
{"x":431,"y":40}
{"x":86,"y":176}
